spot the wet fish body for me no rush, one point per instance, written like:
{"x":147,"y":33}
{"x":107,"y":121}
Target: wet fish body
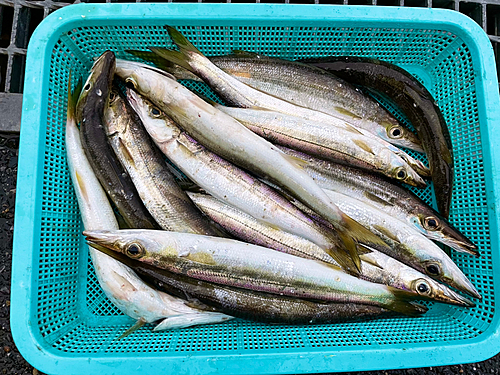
{"x":242,"y":265}
{"x":376,"y":266}
{"x":331,"y":143}
{"x":390,"y":198}
{"x":231,"y":140}
{"x":418,"y":105}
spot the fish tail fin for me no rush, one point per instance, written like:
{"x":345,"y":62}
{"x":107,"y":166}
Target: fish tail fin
{"x":359,"y":233}
{"x":176,"y":57}
{"x":181,"y":57}
{"x":132,"y":329}
{"x":345,"y":260}
{"x":73,"y":96}
{"x":351,"y":250}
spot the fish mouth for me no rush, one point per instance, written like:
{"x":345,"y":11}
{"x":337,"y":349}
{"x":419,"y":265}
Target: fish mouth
{"x":463,"y":284}
{"x":449,"y":296}
{"x":104,"y":241}
{"x":452,"y":237}
{"x":103,"y":63}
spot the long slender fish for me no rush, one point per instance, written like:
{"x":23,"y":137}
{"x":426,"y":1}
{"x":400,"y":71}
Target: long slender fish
{"x":392,"y":199}
{"x":330,"y":143}
{"x":376,"y":266}
{"x":235,"y":92}
{"x":164,"y":199}
{"x":248,"y":304}
{"x":242,"y":265}
{"x":232,"y":184}
{"x":407,"y":245}
{"x":418,"y":105}
{"x":304,"y":86}
{"x":231,"y":140}
{"x":89,"y":113}
{"x":120,"y":284}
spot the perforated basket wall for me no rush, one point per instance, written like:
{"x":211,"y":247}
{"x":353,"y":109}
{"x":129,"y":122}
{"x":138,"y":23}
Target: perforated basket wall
{"x":61,"y":320}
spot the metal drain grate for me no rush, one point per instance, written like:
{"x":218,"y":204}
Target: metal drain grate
{"x":19,"y":18}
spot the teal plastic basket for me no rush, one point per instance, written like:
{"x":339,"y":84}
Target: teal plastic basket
{"x":62,"y":322}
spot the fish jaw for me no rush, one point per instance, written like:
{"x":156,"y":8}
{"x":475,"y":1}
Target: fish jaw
{"x":105,"y":63}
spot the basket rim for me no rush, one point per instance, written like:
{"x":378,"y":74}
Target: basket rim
{"x":30,"y":173}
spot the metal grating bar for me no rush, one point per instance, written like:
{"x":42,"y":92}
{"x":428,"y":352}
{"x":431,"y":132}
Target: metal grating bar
{"x":19,"y":18}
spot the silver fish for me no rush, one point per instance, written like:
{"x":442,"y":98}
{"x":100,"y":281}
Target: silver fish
{"x":164,"y":199}
{"x":392,"y":199}
{"x":242,"y":265}
{"x":407,"y":245}
{"x":331,"y":143}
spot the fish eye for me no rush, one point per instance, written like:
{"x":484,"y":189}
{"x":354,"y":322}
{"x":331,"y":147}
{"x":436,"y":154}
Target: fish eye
{"x":395,"y":132}
{"x":134,"y":250}
{"x":112,"y":96}
{"x":155,"y":112}
{"x":431,"y":223}
{"x":433,"y":269}
{"x":401,"y":174}
{"x":130,"y":83}
{"x":87,"y":87}
{"x":423,"y":287}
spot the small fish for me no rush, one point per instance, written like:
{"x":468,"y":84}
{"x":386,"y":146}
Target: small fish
{"x":228,"y":138}
{"x":242,"y":265}
{"x":231,"y":184}
{"x":248,"y":304}
{"x":330,"y":143}
{"x":164,"y":199}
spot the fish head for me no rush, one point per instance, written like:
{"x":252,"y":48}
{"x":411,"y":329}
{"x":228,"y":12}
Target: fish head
{"x":143,"y":78}
{"x":404,"y":137}
{"x":407,"y":174}
{"x":98,"y":82}
{"x":442,"y":268}
{"x":142,"y":245}
{"x":114,"y":113}
{"x":431,"y":290}
{"x":157,"y":123}
{"x":436,"y":228}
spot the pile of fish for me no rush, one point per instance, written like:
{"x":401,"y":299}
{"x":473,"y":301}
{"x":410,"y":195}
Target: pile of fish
{"x":288,"y":208}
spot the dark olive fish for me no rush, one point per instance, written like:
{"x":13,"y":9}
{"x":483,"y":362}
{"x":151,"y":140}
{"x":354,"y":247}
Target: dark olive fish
{"x":418,"y":105}
{"x":90,"y":114}
{"x":247,"y":304}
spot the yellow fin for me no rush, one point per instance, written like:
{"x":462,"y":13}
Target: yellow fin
{"x":81,"y":185}
{"x":301,"y":163}
{"x":386,"y":232}
{"x":363,"y":145}
{"x":132,"y":329}
{"x":376,"y":199}
{"x":374,"y":263}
